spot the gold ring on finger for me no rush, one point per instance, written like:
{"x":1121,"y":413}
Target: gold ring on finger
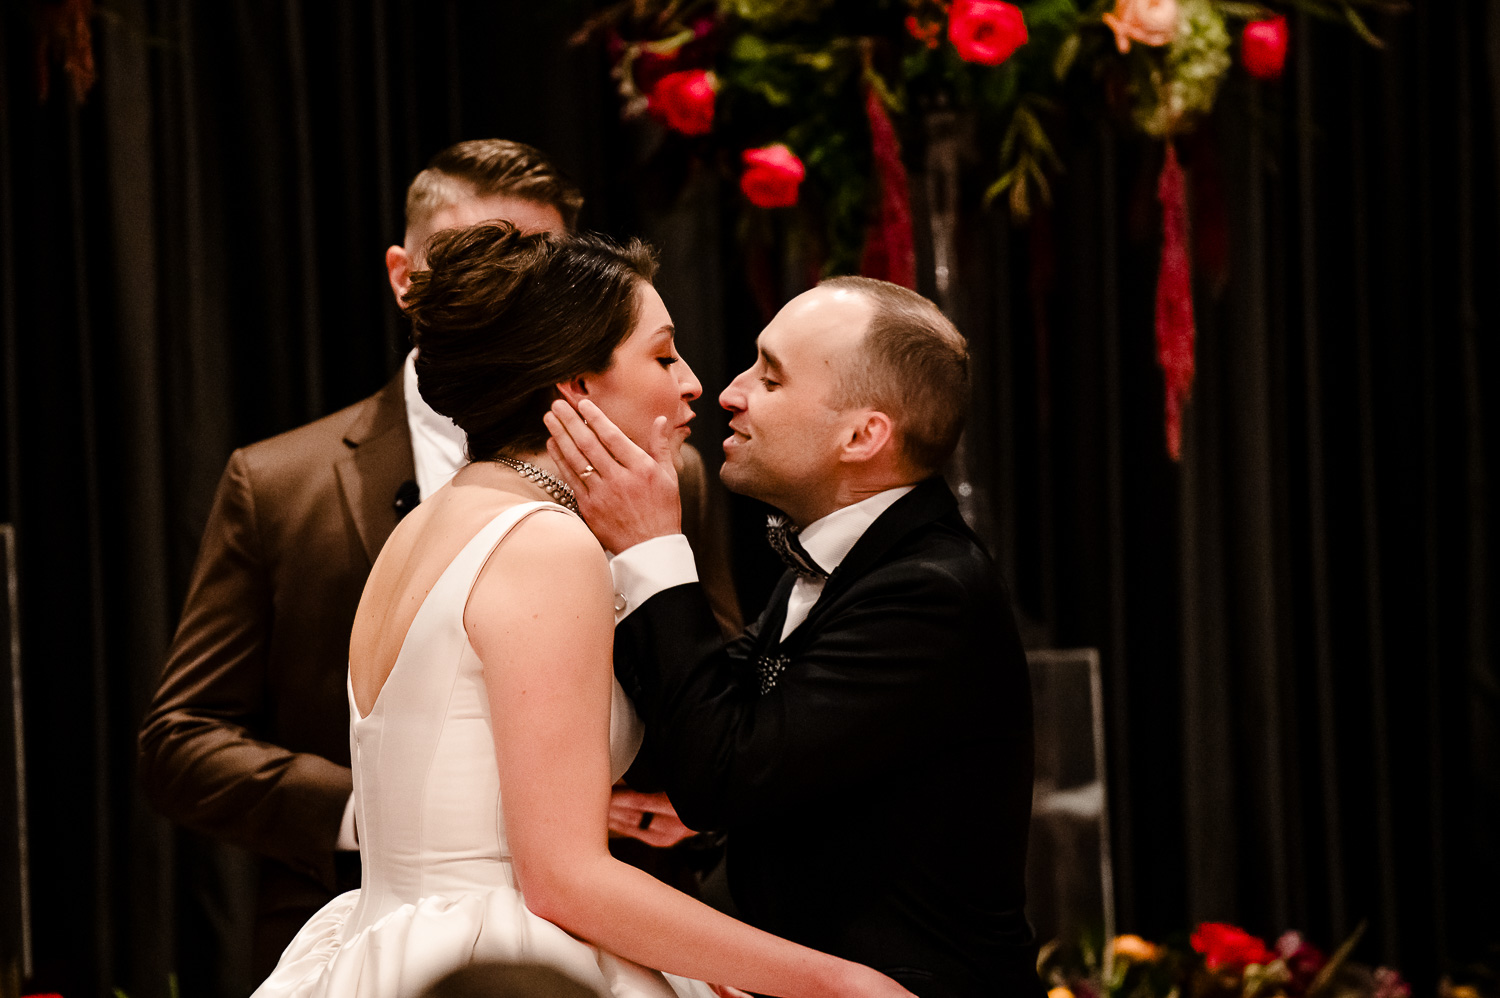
{"x":588,"y":470}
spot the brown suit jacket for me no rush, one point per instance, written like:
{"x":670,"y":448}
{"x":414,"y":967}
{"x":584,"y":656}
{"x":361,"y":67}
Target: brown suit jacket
{"x":247,"y":738}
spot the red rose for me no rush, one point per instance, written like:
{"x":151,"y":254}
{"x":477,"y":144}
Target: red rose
{"x":685,"y":101}
{"x":772,"y":176}
{"x":986,"y":31}
{"x":1263,"y":48}
{"x":1228,"y":947}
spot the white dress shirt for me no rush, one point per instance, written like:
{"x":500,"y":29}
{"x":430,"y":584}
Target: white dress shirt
{"x":438,"y":450}
{"x":828,"y":542}
{"x":438,"y":446}
{"x":659,"y":564}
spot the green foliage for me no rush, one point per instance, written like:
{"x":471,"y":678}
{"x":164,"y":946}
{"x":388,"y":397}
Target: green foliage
{"x":775,"y":14}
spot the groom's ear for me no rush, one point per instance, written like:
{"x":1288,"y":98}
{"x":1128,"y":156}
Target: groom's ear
{"x":870,"y":434}
{"x":574,"y":391}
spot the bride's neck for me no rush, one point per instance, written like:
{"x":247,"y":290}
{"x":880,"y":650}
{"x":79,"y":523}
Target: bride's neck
{"x":536,"y":472}
{"x":537,"y":459}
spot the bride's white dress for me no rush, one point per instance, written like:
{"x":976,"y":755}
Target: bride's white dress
{"x":439,"y":890}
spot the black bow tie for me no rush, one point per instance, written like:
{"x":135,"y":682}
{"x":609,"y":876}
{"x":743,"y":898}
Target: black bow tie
{"x":782,"y":533}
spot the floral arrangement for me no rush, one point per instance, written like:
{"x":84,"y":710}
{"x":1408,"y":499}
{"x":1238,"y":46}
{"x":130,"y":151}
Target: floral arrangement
{"x":810,"y":104}
{"x":1224,"y":961}
{"x":1221,"y":959}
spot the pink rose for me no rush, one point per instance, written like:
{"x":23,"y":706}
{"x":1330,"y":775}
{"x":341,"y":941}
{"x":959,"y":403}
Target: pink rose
{"x":986,"y":31}
{"x":1229,"y":947}
{"x":772,"y":176}
{"x":1263,"y":48}
{"x":1303,"y":959}
{"x":1150,"y":22}
{"x":685,"y":101}
{"x":1389,"y":984}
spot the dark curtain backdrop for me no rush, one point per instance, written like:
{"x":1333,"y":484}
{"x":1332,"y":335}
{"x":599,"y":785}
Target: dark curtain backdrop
{"x":1295,"y":620}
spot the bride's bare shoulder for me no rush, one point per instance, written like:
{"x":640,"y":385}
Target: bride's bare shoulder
{"x":545,"y":544}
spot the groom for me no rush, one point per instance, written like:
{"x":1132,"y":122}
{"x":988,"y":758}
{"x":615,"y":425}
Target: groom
{"x":867,"y":742}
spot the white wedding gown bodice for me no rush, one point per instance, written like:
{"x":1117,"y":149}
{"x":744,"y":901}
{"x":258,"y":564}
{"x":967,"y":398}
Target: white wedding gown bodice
{"x":438,"y":889}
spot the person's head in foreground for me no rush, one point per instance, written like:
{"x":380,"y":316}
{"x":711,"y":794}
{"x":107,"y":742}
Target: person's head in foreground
{"x":505,"y":322}
{"x":508,"y":980}
{"x":480,"y":180}
{"x":858,"y":386}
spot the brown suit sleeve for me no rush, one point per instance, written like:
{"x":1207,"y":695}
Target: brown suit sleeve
{"x":199,"y":761}
{"x":705,"y":524}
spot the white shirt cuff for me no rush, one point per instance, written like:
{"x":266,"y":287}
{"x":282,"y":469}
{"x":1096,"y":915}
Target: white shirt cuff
{"x":650,"y":567}
{"x":348,"y":839}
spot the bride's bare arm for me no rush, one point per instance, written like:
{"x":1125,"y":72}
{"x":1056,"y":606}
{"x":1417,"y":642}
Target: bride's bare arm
{"x":541,"y":619}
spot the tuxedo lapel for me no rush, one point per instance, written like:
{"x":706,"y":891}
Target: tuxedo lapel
{"x":378,"y":462}
{"x":930,"y":500}
{"x":774,"y":617}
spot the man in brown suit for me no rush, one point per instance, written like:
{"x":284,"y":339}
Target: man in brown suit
{"x":247,"y":738}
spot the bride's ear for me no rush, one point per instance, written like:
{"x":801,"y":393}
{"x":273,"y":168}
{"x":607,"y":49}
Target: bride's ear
{"x":574,"y":391}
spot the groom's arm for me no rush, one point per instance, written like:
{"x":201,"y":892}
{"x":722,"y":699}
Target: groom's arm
{"x":655,"y":566}
{"x":869,"y":689}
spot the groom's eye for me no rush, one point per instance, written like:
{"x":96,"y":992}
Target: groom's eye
{"x":769,"y":384}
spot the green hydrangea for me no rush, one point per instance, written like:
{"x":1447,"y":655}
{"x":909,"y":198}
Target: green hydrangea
{"x":1196,"y":63}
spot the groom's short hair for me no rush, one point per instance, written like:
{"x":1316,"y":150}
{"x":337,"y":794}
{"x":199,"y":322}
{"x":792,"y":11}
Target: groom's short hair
{"x":912,"y":365}
{"x":485,"y":168}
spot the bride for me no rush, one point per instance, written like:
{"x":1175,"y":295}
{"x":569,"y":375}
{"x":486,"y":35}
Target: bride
{"x":486,"y":725}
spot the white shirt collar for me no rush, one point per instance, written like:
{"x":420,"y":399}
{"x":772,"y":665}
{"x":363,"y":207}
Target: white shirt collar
{"x":830,"y":539}
{"x":438,"y":446}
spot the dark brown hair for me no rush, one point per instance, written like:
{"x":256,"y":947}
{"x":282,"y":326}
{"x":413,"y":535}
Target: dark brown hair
{"x":913,"y":365}
{"x":513,"y":980}
{"x":487,"y":167}
{"x":500,"y":318}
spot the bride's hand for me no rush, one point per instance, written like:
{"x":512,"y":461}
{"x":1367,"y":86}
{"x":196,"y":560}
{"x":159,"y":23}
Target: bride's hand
{"x":626,"y":495}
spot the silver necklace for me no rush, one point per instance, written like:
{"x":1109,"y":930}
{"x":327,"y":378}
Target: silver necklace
{"x":550,"y":483}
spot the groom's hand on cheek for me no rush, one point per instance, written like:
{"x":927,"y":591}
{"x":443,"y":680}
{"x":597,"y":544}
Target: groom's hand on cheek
{"x":626,"y":495}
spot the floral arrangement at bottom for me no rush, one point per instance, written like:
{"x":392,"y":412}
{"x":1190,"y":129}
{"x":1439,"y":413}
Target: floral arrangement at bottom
{"x":1220,"y":961}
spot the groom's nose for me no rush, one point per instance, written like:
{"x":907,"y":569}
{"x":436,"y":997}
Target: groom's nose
{"x":733,"y":396}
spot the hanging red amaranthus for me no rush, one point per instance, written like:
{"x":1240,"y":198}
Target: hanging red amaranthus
{"x":1174,"y":299}
{"x":889,"y":253}
{"x":64,"y":35}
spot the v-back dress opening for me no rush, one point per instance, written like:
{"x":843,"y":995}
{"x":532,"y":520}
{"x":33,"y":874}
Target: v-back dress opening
{"x":439,"y":890}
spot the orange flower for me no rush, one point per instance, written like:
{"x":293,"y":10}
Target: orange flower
{"x":1059,"y":992}
{"x":1135,"y":948}
{"x":1150,"y":22}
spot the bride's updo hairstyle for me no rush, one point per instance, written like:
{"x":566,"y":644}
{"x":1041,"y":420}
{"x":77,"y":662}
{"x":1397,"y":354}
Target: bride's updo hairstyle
{"x":500,"y":318}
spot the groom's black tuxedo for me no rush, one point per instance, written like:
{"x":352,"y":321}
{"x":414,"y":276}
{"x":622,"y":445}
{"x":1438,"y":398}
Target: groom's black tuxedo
{"x":874,"y":769}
